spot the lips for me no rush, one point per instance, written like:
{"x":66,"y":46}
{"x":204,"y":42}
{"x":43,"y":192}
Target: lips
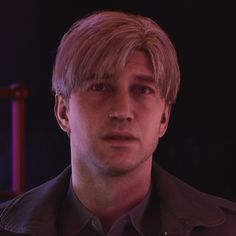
{"x":119,"y":137}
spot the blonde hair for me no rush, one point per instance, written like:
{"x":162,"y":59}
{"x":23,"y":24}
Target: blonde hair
{"x":102,"y":43}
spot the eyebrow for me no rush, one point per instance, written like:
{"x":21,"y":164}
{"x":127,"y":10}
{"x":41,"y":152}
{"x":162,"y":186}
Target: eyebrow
{"x":145,"y":78}
{"x":107,"y":76}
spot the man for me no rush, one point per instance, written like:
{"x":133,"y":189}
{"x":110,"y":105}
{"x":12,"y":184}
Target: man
{"x":115,"y":79}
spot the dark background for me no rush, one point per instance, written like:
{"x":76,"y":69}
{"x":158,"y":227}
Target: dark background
{"x":199,"y":146}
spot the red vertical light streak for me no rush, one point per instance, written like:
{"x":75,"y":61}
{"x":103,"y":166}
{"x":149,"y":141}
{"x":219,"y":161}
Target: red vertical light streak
{"x":18,"y":138}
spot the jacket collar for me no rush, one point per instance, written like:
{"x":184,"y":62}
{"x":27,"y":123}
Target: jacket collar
{"x":182,"y":207}
{"x":35,"y":210}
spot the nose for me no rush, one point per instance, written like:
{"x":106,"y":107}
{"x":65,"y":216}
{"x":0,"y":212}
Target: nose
{"x":121,"y":107}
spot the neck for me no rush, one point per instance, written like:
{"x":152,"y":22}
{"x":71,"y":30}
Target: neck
{"x":109,"y":197}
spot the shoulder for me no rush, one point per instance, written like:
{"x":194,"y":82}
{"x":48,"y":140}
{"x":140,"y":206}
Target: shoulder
{"x":222,"y":203}
{"x":50,"y":188}
{"x":32,"y":208}
{"x":4,"y":205}
{"x":197,"y":210}
{"x":228,"y":226}
{"x":228,"y":207}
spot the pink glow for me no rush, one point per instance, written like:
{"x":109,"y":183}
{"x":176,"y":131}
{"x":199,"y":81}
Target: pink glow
{"x":18,"y":146}
{"x":17,"y":94}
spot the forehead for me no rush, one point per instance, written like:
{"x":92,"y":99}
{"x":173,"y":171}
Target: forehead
{"x":138,"y":65}
{"x":140,"y":62}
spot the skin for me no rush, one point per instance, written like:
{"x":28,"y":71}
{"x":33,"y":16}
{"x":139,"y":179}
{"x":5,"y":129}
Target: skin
{"x":114,"y":128}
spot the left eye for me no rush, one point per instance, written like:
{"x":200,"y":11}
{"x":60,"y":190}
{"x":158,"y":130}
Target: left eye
{"x":144,"y":90}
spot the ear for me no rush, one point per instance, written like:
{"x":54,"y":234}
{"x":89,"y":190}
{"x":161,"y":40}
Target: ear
{"x":164,"y":120}
{"x":61,"y":113}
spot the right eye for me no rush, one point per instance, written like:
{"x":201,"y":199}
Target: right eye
{"x":99,"y":87}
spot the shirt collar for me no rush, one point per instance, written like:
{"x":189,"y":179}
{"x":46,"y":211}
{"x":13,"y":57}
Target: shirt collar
{"x":74,"y":209}
{"x":137,"y":213}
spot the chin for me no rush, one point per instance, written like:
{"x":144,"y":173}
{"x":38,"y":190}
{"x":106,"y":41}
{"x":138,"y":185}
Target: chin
{"x":121,"y":167}
{"x":116,"y":172}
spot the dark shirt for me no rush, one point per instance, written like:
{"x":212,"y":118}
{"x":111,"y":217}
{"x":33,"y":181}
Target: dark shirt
{"x":76,"y":219}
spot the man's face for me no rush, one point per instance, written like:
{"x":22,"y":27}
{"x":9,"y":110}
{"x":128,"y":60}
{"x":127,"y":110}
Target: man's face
{"x":115,"y":125}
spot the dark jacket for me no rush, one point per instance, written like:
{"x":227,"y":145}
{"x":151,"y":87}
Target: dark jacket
{"x":188,"y":212}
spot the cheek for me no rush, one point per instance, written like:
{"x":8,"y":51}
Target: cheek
{"x":151,"y":126}
{"x":152,"y":117}
{"x":150,"y":138}
{"x":84,"y":123}
{"x":77,"y":120}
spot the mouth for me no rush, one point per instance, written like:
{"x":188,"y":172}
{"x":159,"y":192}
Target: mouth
{"x":121,"y":137}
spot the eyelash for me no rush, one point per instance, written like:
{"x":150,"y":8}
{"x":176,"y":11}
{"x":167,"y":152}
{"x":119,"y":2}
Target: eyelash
{"x":137,"y":89}
{"x":143,"y":89}
{"x":99,"y":87}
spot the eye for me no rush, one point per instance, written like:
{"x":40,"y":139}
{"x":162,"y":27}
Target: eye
{"x":99,"y":87}
{"x":144,"y":90}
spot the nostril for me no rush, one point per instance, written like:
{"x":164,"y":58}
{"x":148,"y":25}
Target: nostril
{"x":113,"y":114}
{"x":120,"y":116}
